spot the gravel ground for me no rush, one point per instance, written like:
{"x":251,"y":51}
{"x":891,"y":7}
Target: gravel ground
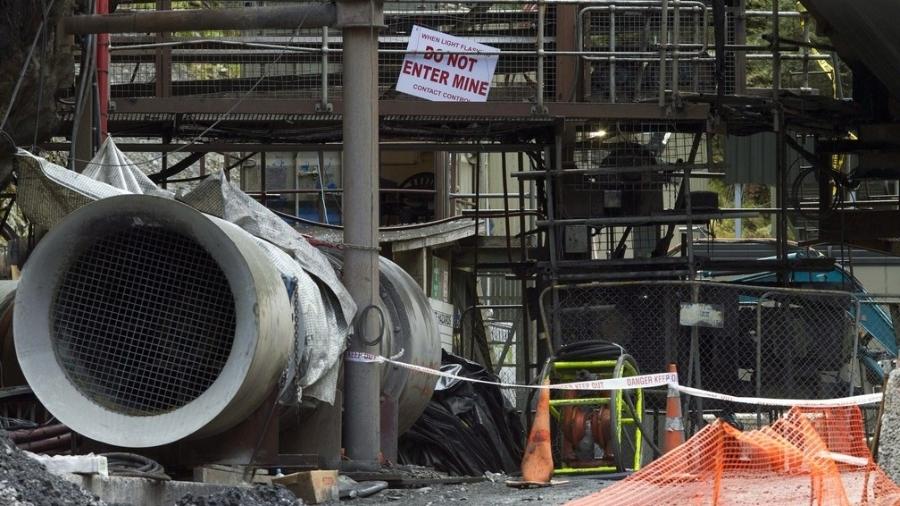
{"x":25,"y":482}
{"x":260,"y":495}
{"x":889,"y":444}
{"x":487,"y":493}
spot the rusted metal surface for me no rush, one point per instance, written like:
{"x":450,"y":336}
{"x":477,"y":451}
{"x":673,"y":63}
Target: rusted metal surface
{"x":244,"y":147}
{"x":415,"y":110}
{"x":288,"y":17}
{"x":48,"y":444}
{"x":37,"y":434}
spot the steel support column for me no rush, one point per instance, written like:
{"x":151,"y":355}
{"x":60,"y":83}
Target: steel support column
{"x":103,"y":72}
{"x":360,"y":22}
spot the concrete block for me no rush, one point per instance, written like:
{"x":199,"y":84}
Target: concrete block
{"x":77,"y":464}
{"x":228,"y":475}
{"x":141,"y":491}
{"x":889,"y":442}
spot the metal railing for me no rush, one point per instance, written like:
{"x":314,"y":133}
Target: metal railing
{"x":626,"y":51}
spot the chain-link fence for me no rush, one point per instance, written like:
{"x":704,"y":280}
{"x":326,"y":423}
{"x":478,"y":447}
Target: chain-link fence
{"x":624,"y":51}
{"x":629,"y":169}
{"x":734,"y":339}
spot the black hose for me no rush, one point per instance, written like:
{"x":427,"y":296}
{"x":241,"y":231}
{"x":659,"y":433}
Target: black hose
{"x":822,"y":176}
{"x":640,"y":426}
{"x":358,"y":325}
{"x":135,"y":466}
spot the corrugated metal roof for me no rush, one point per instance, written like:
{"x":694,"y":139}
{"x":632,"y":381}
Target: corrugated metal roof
{"x":751,"y":159}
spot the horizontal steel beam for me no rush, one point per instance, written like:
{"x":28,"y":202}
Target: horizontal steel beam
{"x":304,"y":15}
{"x":722,"y":214}
{"x":703,"y":262}
{"x":239,"y":147}
{"x":509,"y":111}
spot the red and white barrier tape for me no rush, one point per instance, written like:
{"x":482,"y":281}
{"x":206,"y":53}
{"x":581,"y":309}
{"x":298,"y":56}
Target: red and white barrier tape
{"x":627,"y":383}
{"x":857,"y":400}
{"x":647,"y":380}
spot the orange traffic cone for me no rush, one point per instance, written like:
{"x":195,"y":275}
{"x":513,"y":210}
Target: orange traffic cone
{"x":674,"y":422}
{"x":537,"y":463}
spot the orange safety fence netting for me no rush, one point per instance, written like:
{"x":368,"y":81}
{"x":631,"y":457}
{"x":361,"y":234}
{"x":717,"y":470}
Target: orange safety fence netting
{"x":811,"y":456}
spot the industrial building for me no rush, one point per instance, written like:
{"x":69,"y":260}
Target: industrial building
{"x":244,"y":237}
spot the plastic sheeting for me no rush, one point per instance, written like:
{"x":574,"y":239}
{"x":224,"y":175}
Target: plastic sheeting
{"x":114,"y":168}
{"x":467,"y":428}
{"x":48,"y":192}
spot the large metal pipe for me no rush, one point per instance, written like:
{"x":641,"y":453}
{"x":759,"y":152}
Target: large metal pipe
{"x":140,"y":321}
{"x":303,"y":15}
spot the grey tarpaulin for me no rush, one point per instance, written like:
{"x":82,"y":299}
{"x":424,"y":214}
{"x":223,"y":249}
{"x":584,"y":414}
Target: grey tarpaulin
{"x":113,"y":167}
{"x":48,"y":192}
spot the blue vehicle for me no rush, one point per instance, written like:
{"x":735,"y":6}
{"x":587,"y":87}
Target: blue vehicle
{"x":877,"y":340}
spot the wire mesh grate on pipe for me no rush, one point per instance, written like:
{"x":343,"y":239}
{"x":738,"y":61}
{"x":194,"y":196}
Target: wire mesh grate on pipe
{"x":144,"y":321}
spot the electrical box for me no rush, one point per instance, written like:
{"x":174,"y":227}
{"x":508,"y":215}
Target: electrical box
{"x":577,"y":239}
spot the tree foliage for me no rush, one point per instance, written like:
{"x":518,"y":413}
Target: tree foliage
{"x":50,"y":70}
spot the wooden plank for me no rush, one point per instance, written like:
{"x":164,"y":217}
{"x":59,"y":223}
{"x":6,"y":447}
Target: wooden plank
{"x":314,"y":487}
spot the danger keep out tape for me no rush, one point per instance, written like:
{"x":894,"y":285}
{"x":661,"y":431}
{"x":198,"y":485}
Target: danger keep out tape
{"x":626,"y":383}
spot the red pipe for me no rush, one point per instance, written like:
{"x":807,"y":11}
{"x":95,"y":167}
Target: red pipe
{"x":103,"y":72}
{"x":23,"y":435}
{"x":47,"y":444}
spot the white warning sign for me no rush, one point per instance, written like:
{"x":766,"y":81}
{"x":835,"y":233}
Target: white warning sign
{"x":702,"y":315}
{"x":437,"y":71}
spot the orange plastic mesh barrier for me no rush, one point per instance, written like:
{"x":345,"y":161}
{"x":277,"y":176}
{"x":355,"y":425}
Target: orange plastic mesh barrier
{"x":812,"y":456}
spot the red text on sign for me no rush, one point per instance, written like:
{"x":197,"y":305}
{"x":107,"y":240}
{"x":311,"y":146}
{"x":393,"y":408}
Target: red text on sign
{"x":459,"y":61}
{"x":471,"y":85}
{"x":426,"y":72}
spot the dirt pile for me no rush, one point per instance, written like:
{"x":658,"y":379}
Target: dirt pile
{"x":25,"y":482}
{"x":260,"y":495}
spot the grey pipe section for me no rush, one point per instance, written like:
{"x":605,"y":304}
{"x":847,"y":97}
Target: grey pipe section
{"x":676,"y":39}
{"x":410,"y":331}
{"x":324,"y":103}
{"x":539,"y":72}
{"x":304,"y":15}
{"x":612,"y":49}
{"x":257,"y":354}
{"x":663,"y":48}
